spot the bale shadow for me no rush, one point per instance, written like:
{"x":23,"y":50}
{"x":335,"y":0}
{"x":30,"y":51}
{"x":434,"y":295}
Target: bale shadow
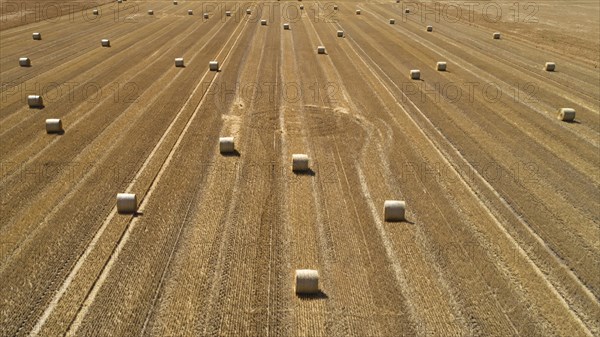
{"x":59,"y":133}
{"x":312,"y":297}
{"x":573,"y":122}
{"x":400,"y":221}
{"x":37,"y":107}
{"x":234,"y":153}
{"x":308,"y":172}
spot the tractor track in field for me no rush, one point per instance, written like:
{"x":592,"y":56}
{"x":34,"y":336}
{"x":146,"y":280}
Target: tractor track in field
{"x":148,"y":193}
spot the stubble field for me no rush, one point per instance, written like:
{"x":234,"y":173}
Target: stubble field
{"x":501,"y":236}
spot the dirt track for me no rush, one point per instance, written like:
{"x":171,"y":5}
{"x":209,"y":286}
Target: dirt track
{"x":502,"y":235}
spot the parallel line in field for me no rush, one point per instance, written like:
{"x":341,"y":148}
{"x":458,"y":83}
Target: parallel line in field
{"x":473,"y":190}
{"x":148,"y":193}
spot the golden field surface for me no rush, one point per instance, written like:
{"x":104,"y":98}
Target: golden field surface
{"x":502,"y":229}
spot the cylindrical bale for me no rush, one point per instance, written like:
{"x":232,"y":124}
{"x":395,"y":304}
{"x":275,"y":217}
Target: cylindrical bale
{"x":358,"y":12}
{"x":248,"y":11}
{"x":392,"y":21}
{"x":226,"y":145}
{"x":105,"y":43}
{"x":213,"y":66}
{"x":24,"y":62}
{"x":179,"y":62}
{"x":415,"y":74}
{"x":54,"y":125}
{"x":119,"y":1}
{"x":393,"y":210}
{"x":407,"y":11}
{"x":35,"y":101}
{"x":335,"y":7}
{"x":227,"y":13}
{"x":550,"y":66}
{"x":286,"y":26}
{"x":150,"y":12}
{"x":307,"y":281}
{"x":126,"y":203}
{"x":175,"y":2}
{"x":430,"y":28}
{"x":205,"y":15}
{"x":321,"y":50}
{"x":340,"y":33}
{"x":397,"y":1}
{"x":37,"y":36}
{"x":95,"y":12}
{"x":300,"y":162}
{"x":566,"y":114}
{"x":496,"y":36}
{"x":301,"y":7}
{"x":441,"y":66}
{"x":190,"y":12}
{"x":263,"y":22}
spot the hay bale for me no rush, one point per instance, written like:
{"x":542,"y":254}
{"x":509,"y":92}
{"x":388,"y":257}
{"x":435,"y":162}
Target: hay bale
{"x":95,"y":12}
{"x":320,"y":49}
{"x":105,"y":43}
{"x":300,"y":162}
{"x":179,"y":62}
{"x":37,"y":36}
{"x":35,"y":101}
{"x":407,"y":11}
{"x":286,"y":26}
{"x":227,"y":13}
{"x":119,"y":1}
{"x":213,"y":66}
{"x":263,"y":22}
{"x":441,"y":66}
{"x":248,"y":11}
{"x":126,"y":203}
{"x":150,"y":12}
{"x":175,"y":3}
{"x":340,"y":33}
{"x":54,"y":125}
{"x":393,"y":210}
{"x":392,"y":21}
{"x":415,"y":74}
{"x":335,"y":7}
{"x":397,"y":1}
{"x":190,"y":12}
{"x":307,"y":281}
{"x":24,"y":62}
{"x":205,"y":15}
{"x":496,"y":36}
{"x":430,"y":28}
{"x":226,"y":145}
{"x":550,"y":66}
{"x":358,"y":12}
{"x":301,"y":7}
{"x":566,"y":114}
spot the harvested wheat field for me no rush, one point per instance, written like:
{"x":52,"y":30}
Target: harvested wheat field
{"x":287,"y":168}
